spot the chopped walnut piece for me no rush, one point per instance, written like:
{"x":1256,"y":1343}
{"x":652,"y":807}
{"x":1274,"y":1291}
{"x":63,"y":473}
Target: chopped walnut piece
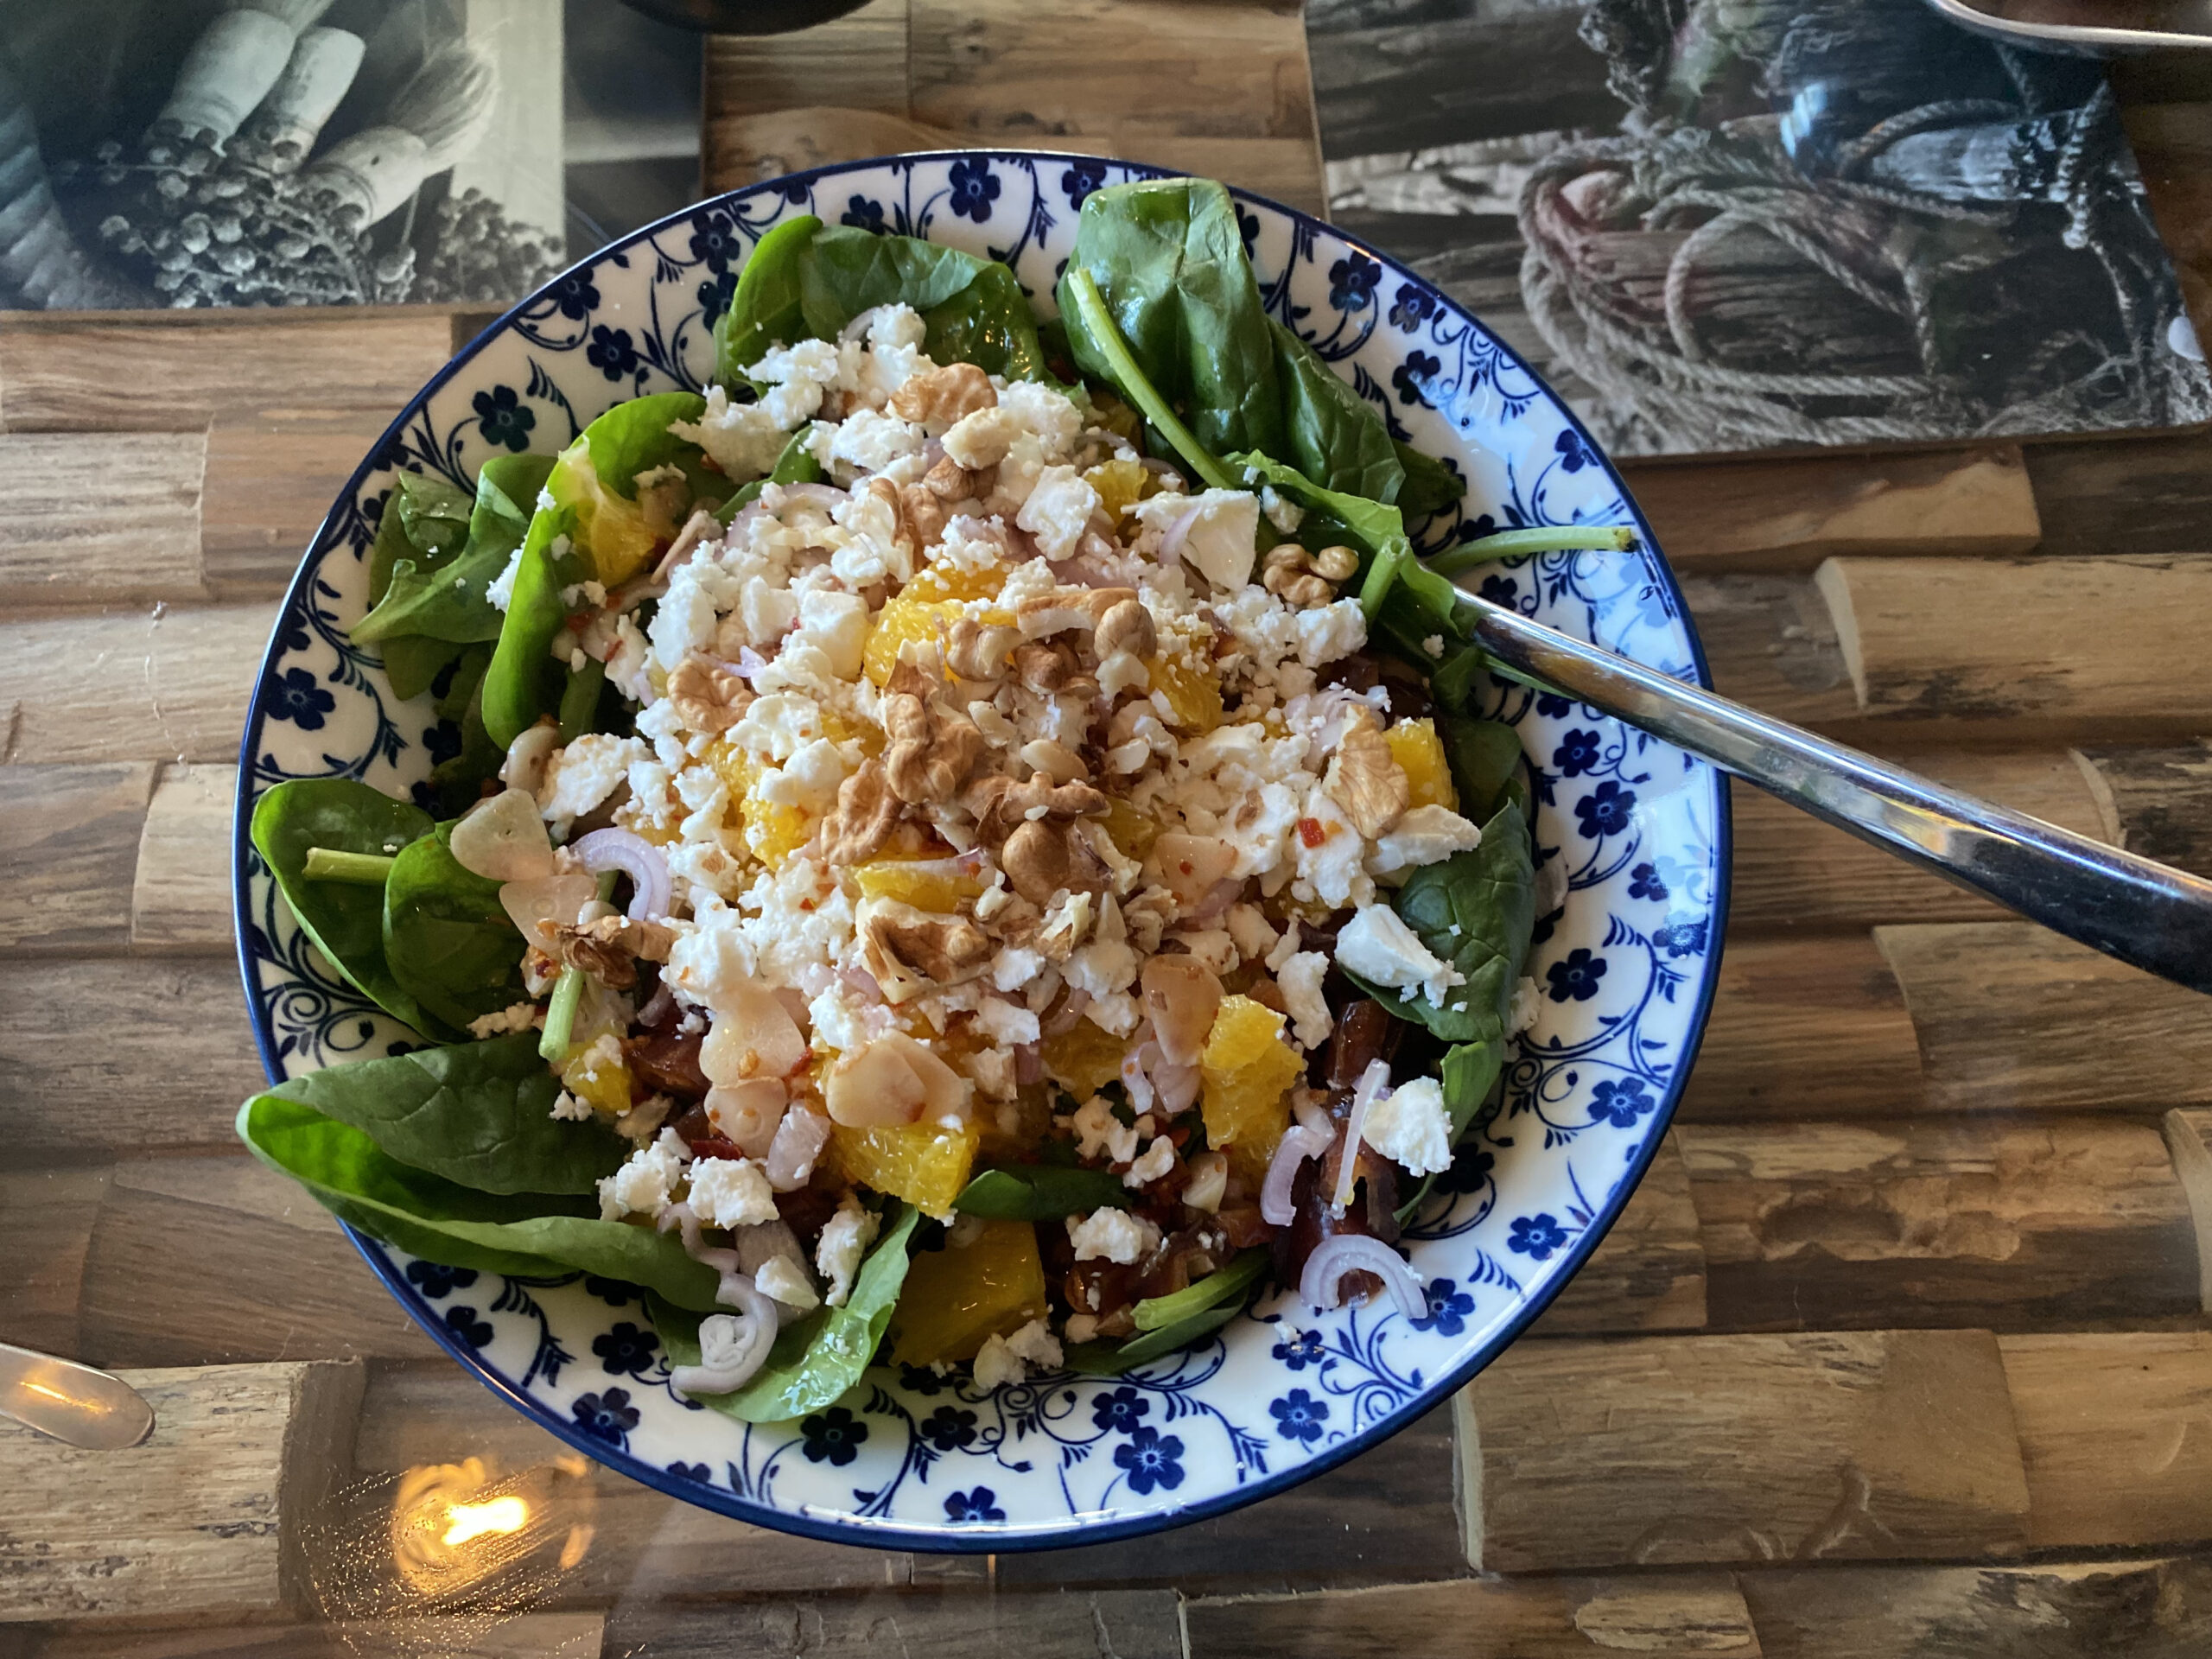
{"x":863,"y":819}
{"x":921,"y":516}
{"x":1052,"y":670}
{"x":940,"y":396}
{"x":609,"y":947}
{"x":911,"y":951}
{"x":933,"y":750}
{"x":979,"y":650}
{"x":950,"y":481}
{"x":1066,"y":609}
{"x":1366,"y":780}
{"x":1126,"y":627}
{"x":707,"y":696}
{"x":1305,"y":580}
{"x":1043,"y":856}
{"x":999,"y":804}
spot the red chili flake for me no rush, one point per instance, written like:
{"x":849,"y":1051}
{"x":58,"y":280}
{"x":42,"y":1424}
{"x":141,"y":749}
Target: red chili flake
{"x":1312,"y":831}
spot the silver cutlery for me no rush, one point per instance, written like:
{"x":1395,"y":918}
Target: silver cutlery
{"x":71,"y":1402}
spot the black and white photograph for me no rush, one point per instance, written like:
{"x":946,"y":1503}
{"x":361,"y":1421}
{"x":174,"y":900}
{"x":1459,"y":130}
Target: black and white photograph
{"x":329,"y":152}
{"x":1719,"y":227}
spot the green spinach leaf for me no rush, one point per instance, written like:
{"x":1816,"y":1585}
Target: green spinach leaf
{"x":457,"y":782}
{"x":531,"y":1234}
{"x":1168,"y":257}
{"x":346,"y":922}
{"x":1430,"y":486}
{"x":630,"y":438}
{"x":523,"y":681}
{"x":816,"y":1359}
{"x":1040,"y":1192}
{"x":424,"y":520}
{"x":1375,"y":528}
{"x":1111,"y":1359}
{"x":1477,"y":910}
{"x":445,"y":601}
{"x":972,"y":309}
{"x":447,"y":940}
{"x":412,"y":662}
{"x":478,"y":1115}
{"x":1485,"y":758}
{"x":1331,"y":433}
{"x":765,"y":311}
{"x":1226,"y":1284}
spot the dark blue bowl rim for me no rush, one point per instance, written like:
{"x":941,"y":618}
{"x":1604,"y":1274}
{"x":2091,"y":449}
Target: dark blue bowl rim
{"x":1075,"y":1531}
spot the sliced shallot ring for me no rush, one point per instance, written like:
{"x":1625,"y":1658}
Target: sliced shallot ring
{"x":1277,"y":1207}
{"x":1372,"y":1082}
{"x":1170,"y":544}
{"x":1071,"y":1010}
{"x":799,"y":1140}
{"x":733,"y":1347}
{"x":1322,"y":1282}
{"x":637,"y":858}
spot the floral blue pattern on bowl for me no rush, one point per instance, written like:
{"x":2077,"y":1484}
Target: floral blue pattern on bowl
{"x":1635,"y":833}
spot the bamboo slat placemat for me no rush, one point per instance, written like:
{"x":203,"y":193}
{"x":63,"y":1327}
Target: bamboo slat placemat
{"x":1901,"y":1349}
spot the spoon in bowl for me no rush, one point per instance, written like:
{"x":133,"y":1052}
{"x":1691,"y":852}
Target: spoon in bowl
{"x":71,"y":1402}
{"x":2143,"y":913}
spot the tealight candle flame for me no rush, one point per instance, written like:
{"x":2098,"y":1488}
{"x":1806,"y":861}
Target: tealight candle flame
{"x":473,"y":1521}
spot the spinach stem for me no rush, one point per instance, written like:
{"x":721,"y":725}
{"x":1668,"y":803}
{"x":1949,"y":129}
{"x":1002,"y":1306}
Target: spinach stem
{"x":355,"y":869}
{"x":1512,"y":543}
{"x":568,"y":991}
{"x":1098,"y":321}
{"x":1382,"y":575}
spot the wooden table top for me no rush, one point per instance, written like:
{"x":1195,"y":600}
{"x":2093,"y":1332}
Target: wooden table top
{"x":1901,"y":1349}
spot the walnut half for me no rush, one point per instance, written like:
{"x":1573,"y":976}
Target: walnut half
{"x":910,"y":951}
{"x":863,"y":819}
{"x":940,"y":396}
{"x":932,"y":750}
{"x":707,"y":696}
{"x":1365,"y":779}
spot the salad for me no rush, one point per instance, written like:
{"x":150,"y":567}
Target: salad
{"x":969,"y":836}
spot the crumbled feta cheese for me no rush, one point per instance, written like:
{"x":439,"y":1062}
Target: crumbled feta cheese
{"x":1434,"y":646}
{"x":743,"y":438}
{"x":568,"y":1109}
{"x":518,"y":1016}
{"x":499,"y":592}
{"x":1327,"y":633}
{"x":1049,"y":414}
{"x":1410,"y":1127}
{"x":868,"y":443}
{"x":784,"y":1280}
{"x":1379,"y":947}
{"x":1423,"y":834}
{"x":1101,"y":1135}
{"x":808,"y":780}
{"x":1249,"y":926}
{"x":1222,"y":539}
{"x":836,"y":624}
{"x":1004,"y":1360}
{"x":731,"y":1193}
{"x":845,"y":1238}
{"x":1158,"y":1158}
{"x":581,"y":776}
{"x":1528,"y":1006}
{"x":1300,"y":980}
{"x":1058,"y":511}
{"x":643,"y":1185}
{"x":1014,"y":966}
{"x":1115,"y":1235}
{"x":1006,"y":1024}
{"x":982,"y":438}
{"x":1285,"y":514}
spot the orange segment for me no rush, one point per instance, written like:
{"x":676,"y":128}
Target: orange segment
{"x":1420,"y":753}
{"x":1193,"y":699}
{"x":772,"y":829}
{"x":932,"y":884}
{"x":1083,"y":1059}
{"x":954,"y":1299}
{"x":925,"y":1164}
{"x":942,"y":581}
{"x":1247,"y":1070}
{"x":1119,"y":485}
{"x":603,"y":1087}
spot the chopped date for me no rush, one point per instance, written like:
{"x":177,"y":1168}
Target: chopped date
{"x":667,"y":1063}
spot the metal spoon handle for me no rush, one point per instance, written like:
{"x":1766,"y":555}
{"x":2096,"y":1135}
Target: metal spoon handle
{"x":71,"y":1402}
{"x":2156,"y":919}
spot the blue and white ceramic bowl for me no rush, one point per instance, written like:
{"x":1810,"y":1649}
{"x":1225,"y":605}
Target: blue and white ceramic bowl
{"x":1638,"y":832}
